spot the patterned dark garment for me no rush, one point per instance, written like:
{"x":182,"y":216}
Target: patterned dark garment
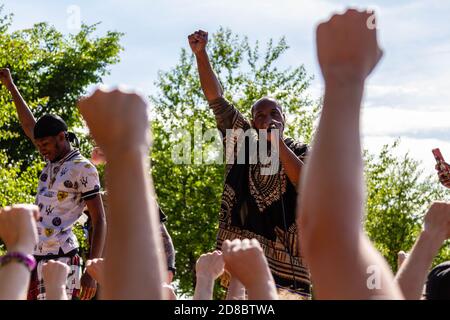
{"x":261,"y":207}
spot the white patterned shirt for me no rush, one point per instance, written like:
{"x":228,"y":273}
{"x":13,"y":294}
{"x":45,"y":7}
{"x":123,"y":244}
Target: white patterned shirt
{"x":62,"y":190}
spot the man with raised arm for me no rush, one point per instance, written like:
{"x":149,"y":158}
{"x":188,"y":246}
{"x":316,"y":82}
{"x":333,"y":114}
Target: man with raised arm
{"x":67,"y":183}
{"x":257,"y":204}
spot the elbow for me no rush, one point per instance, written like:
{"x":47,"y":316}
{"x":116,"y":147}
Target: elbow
{"x":212,"y":97}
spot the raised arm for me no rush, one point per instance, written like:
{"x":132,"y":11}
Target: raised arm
{"x":26,"y":118}
{"x":343,"y":262}
{"x":210,"y":84}
{"x":119,"y":123}
{"x":227,"y":116}
{"x":208,"y":268}
{"x":413,"y":273}
{"x":19,"y":233}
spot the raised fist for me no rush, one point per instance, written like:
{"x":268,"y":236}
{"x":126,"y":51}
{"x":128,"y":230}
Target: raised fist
{"x":347,"y":47}
{"x":18,"y":227}
{"x":118,"y":121}
{"x":210,"y":265}
{"x":5,"y":78}
{"x":198,"y":41}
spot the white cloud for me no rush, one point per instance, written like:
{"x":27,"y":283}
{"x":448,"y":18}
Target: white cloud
{"x":419,"y":149}
{"x":392,"y":121}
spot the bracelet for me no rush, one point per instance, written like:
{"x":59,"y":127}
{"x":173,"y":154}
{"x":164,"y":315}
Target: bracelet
{"x":27,"y":259}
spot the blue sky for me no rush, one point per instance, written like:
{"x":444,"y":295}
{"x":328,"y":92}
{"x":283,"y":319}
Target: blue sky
{"x":408,"y":95}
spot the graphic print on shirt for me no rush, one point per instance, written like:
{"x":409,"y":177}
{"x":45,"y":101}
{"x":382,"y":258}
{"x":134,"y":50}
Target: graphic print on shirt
{"x":62,"y":188}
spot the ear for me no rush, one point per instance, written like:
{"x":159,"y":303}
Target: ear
{"x":61,"y":136}
{"x":252,"y":123}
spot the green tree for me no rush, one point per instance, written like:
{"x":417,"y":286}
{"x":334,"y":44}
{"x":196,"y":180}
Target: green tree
{"x":190,"y":193}
{"x":398,"y":196}
{"x":52,"y":71}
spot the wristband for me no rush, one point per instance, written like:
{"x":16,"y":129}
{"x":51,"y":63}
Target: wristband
{"x":26,"y":259}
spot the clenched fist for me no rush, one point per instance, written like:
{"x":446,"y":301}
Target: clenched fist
{"x":437,"y":220}
{"x":5,"y":78}
{"x":347,"y":47}
{"x":18,"y":227}
{"x":118,"y":121}
{"x":198,"y":41}
{"x":210,"y":265}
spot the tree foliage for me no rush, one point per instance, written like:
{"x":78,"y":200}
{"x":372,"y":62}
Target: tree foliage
{"x":398,"y":196}
{"x":52,"y":71}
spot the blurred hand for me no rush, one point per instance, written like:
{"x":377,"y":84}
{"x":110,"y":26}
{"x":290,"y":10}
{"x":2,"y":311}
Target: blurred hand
{"x":88,"y":287}
{"x":118,"y":121}
{"x":401,"y":257}
{"x":272,"y":131}
{"x":55,"y":275}
{"x":245,"y":260}
{"x":437,"y":220}
{"x":169,"y":291}
{"x":18,"y":227}
{"x":97,"y":156}
{"x":95,"y":268}
{"x":347,"y":49}
{"x":210,"y":265}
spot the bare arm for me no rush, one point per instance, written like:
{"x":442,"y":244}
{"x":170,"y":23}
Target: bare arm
{"x":236,"y":290}
{"x":291,"y":163}
{"x":26,"y":118}
{"x":97,"y":214}
{"x":413,"y":273}
{"x":208,"y":268}
{"x":332,"y":196}
{"x":19,"y":233}
{"x":119,"y":123}
{"x":97,"y":242}
{"x":169,"y":250}
{"x":210,"y":84}
{"x":245,"y":260}
{"x":55,"y":275}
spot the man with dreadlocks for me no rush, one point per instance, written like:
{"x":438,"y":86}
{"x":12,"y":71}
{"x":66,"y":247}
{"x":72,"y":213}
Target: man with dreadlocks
{"x":67,"y":183}
{"x":257,"y":204}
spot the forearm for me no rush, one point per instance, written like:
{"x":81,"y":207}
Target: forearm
{"x":56,"y":293}
{"x":412,"y":275}
{"x":98,"y":239}
{"x":169,"y":249}
{"x":210,"y":84}
{"x":332,"y":202}
{"x":137,"y":273}
{"x":333,"y":190}
{"x":26,"y":117}
{"x":204,"y":288}
{"x":291,"y":163}
{"x":14,"y":279}
{"x":236,"y":290}
{"x":265,"y":290}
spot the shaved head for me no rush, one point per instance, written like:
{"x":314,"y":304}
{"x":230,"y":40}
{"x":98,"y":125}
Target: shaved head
{"x":264,"y":101}
{"x":265,"y":112}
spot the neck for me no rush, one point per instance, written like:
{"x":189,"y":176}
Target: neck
{"x":64,"y":151}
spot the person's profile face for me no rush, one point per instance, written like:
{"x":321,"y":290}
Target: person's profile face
{"x":266,"y":112}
